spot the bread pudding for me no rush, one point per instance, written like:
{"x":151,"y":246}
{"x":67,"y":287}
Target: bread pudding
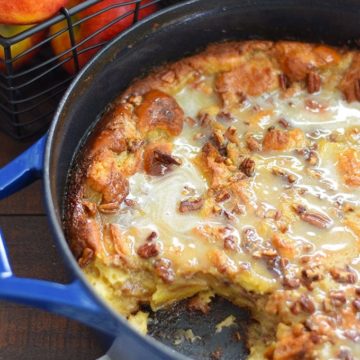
{"x":234,"y":172}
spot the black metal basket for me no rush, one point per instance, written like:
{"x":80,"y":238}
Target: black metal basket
{"x":29,"y":95}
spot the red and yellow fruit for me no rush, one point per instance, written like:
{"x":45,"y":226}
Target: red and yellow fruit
{"x":62,"y":44}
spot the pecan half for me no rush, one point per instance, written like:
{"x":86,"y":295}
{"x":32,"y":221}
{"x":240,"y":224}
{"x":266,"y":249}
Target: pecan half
{"x":313,"y":82}
{"x":191,"y":205}
{"x":314,"y":218}
{"x":148,"y":250}
{"x":248,"y":167}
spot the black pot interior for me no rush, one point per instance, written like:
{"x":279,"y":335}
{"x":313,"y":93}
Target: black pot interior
{"x":182,"y":31}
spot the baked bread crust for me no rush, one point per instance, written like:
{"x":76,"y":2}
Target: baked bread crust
{"x":305,"y":295}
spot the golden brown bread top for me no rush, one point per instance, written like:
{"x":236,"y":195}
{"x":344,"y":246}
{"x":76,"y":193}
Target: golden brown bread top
{"x":276,"y":188}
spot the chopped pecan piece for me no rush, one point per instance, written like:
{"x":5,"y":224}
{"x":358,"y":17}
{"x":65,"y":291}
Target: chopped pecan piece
{"x":284,"y":123}
{"x":224,"y":116}
{"x":284,"y":82}
{"x":191,"y":205}
{"x":250,"y":240}
{"x":153,"y":235}
{"x":356,"y":305}
{"x":164,"y":270}
{"x":295,"y":308}
{"x":130,"y":202}
{"x":291,"y":283}
{"x":253,"y":144}
{"x":247,"y":166}
{"x":204,"y":119}
{"x":307,"y":304}
{"x":231,"y":134}
{"x":313,"y":82}
{"x":312,"y":274}
{"x":229,"y":243}
{"x":343,"y":276}
{"x":158,"y":160}
{"x":166,"y":159}
{"x":337,"y":298}
{"x":312,"y":158}
{"x":148,"y":250}
{"x":219,"y":139}
{"x":109,"y":208}
{"x":222,"y":195}
{"x":89,"y":207}
{"x":291,"y":178}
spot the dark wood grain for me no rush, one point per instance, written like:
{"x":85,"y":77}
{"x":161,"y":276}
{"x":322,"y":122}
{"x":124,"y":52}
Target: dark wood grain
{"x":26,"y":333}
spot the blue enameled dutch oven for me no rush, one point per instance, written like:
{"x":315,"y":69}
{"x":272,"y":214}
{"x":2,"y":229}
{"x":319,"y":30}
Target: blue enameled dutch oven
{"x":165,"y":36}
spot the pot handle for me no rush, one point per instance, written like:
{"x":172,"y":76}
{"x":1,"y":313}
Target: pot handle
{"x":72,"y":300}
{"x":23,"y":170}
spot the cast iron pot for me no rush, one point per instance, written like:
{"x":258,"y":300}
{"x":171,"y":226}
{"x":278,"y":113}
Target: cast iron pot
{"x":165,"y":36}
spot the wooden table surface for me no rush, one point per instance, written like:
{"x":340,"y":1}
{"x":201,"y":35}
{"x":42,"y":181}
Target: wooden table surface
{"x":26,"y":333}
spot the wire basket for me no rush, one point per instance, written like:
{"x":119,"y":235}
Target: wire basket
{"x":29,"y":95}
